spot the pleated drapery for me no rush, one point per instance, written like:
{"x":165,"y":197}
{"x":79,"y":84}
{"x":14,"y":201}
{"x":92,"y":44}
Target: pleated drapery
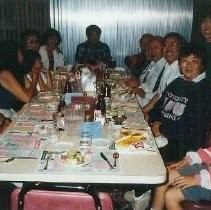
{"x":122,"y":22}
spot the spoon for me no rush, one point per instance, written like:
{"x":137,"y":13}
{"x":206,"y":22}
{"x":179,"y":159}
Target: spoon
{"x":115,"y":156}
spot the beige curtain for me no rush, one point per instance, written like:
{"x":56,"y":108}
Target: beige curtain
{"x":122,"y":22}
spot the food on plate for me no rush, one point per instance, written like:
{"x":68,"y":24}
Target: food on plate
{"x":131,"y":138}
{"x":72,"y":157}
{"x":125,"y":132}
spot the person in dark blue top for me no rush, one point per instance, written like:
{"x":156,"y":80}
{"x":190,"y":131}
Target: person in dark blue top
{"x":93,"y":50}
{"x":182,"y":113}
{"x":12,"y":84}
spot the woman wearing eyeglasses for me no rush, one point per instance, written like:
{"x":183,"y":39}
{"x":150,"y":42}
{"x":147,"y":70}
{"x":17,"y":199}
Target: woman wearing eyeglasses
{"x":30,"y":40}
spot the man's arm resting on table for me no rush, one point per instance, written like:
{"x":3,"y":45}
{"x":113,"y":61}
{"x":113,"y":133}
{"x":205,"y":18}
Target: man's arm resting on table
{"x":151,"y":104}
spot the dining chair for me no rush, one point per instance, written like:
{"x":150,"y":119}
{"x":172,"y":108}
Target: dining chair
{"x":49,"y":196}
{"x":202,"y":205}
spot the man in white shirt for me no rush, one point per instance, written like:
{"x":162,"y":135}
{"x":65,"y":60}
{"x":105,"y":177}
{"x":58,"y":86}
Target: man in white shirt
{"x":172,"y":46}
{"x":170,"y":73}
{"x":148,"y":78}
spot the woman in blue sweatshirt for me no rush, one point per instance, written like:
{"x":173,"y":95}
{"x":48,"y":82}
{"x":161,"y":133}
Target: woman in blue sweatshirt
{"x":181,"y":114}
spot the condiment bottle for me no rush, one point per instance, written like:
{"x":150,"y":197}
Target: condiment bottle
{"x":101,"y":105}
{"x":107,"y":95}
{"x":68,"y":87}
{"x":61,"y":105}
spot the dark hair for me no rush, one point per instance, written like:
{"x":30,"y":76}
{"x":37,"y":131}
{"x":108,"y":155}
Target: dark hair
{"x":181,"y":39}
{"x":193,"y":49}
{"x":9,"y":55}
{"x":25,"y":34}
{"x":146,"y":36}
{"x":157,"y":38}
{"x":49,"y":33}
{"x":93,"y":28}
{"x":206,"y":14}
{"x":29,"y":59}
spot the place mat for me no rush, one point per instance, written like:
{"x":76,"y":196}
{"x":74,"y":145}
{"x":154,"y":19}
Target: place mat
{"x":19,"y":153}
{"x":96,"y":166}
{"x":19,"y":144}
{"x":24,"y":125}
{"x":38,"y":115}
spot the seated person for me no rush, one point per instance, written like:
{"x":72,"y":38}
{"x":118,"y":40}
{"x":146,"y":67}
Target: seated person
{"x":189,"y":179}
{"x":32,"y":62}
{"x":30,"y":39}
{"x":51,"y":55}
{"x":206,"y":33}
{"x":173,"y":43}
{"x":4,"y":122}
{"x":150,"y":74}
{"x":12,"y":87}
{"x":137,"y":63}
{"x":93,"y":51}
{"x":181,"y":114}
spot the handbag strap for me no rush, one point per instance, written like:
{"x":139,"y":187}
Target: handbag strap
{"x":28,"y":186}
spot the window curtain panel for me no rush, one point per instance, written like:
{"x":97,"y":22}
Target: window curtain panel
{"x":18,"y":15}
{"x":122,"y":22}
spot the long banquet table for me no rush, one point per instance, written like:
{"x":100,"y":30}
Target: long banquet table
{"x":144,"y":167}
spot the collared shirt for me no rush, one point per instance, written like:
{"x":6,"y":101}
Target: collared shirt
{"x":149,"y":78}
{"x":198,"y":78}
{"x":58,"y":58}
{"x":85,"y":53}
{"x":170,"y":73}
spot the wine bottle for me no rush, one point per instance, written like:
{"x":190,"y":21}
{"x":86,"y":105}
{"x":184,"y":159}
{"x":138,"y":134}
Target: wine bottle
{"x":101,"y":105}
{"x":68,"y":87}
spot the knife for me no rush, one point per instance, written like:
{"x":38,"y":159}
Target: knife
{"x":106,"y":159}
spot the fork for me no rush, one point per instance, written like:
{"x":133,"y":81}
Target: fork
{"x":48,"y":158}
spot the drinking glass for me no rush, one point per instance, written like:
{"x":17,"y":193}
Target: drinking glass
{"x":52,"y":131}
{"x":85,"y":142}
{"x":73,"y":118}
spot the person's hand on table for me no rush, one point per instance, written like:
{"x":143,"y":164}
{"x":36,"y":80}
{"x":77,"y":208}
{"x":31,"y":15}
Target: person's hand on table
{"x":140,"y":92}
{"x":36,"y":73}
{"x":178,"y":165}
{"x":155,"y":127}
{"x":133,"y":83}
{"x":183,"y":182}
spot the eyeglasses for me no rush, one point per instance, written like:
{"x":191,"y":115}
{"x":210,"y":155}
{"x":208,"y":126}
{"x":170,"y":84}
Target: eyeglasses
{"x":32,"y":42}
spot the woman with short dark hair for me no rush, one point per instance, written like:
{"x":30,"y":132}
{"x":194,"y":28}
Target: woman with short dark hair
{"x":51,"y":54}
{"x":181,"y":114}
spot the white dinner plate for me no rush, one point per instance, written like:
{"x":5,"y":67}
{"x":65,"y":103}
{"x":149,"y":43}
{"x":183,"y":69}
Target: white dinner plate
{"x":87,"y":160}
